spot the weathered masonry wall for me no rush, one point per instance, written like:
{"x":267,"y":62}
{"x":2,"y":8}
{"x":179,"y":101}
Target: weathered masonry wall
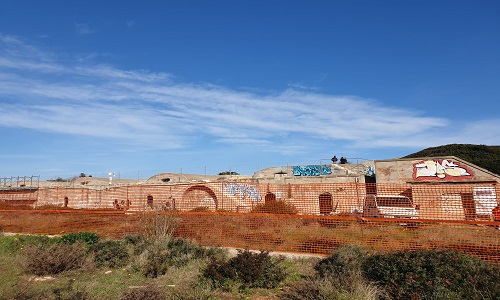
{"x":444,"y":201}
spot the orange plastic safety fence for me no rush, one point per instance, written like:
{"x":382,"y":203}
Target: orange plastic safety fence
{"x":307,"y":218}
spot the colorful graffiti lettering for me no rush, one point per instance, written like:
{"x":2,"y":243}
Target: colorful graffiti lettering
{"x":445,"y":169}
{"x":312,"y":170}
{"x":243,"y":190}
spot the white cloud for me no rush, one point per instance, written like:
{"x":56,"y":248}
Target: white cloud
{"x":143,"y":108}
{"x":83,"y":28}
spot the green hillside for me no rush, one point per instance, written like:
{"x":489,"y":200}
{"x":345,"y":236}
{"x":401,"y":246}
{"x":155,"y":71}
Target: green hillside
{"x":486,"y":157}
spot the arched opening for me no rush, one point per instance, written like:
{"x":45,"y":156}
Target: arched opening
{"x":199,"y":197}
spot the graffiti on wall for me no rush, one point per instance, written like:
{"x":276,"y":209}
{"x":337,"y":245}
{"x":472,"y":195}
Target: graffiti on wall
{"x":243,"y":190}
{"x":369,"y":171}
{"x":438,"y":169}
{"x":311,"y":170}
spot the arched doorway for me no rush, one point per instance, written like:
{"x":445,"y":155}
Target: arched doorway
{"x":199,"y":197}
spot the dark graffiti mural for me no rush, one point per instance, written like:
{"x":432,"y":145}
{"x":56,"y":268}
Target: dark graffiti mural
{"x":311,"y":170}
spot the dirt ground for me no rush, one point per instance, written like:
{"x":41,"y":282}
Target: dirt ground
{"x":57,"y":222}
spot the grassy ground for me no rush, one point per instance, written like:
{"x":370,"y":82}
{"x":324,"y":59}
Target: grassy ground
{"x":125,"y":282}
{"x":156,"y":265}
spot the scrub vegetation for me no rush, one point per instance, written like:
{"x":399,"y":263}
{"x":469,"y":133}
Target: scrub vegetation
{"x":86,"y":266}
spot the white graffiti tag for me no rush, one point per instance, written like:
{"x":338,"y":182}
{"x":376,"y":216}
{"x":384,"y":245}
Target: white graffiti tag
{"x":434,"y":168}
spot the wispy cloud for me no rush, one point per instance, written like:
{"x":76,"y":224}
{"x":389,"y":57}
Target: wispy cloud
{"x":139,"y":107}
{"x":83,"y":28}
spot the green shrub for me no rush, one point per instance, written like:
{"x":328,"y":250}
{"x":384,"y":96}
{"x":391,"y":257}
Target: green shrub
{"x":159,"y":256}
{"x":338,"y":276}
{"x":275,"y":207}
{"x":133,"y":239}
{"x":138,"y":243}
{"x":431,"y":274}
{"x":88,"y":238}
{"x":344,"y":261}
{"x":250,"y":270}
{"x":110,"y":254}
{"x":157,"y":261}
{"x":54,"y":259}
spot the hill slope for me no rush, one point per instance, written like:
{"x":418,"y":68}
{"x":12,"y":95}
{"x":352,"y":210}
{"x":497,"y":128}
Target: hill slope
{"x":486,"y":157}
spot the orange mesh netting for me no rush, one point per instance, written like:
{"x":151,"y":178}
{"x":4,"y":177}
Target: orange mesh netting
{"x":308,"y":218}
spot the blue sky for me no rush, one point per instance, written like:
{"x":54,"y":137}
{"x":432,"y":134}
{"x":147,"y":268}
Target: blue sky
{"x":143,"y":87}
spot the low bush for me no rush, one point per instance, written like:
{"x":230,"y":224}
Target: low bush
{"x":133,"y":239}
{"x":88,"y":238}
{"x":344,"y":261}
{"x":110,"y":254}
{"x":54,"y":259}
{"x":338,"y":276}
{"x":157,"y":261}
{"x":249,"y":270}
{"x":138,"y":243}
{"x":158,"y":257}
{"x":433,"y":274}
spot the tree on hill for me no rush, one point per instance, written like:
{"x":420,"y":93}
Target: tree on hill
{"x":486,"y":157}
